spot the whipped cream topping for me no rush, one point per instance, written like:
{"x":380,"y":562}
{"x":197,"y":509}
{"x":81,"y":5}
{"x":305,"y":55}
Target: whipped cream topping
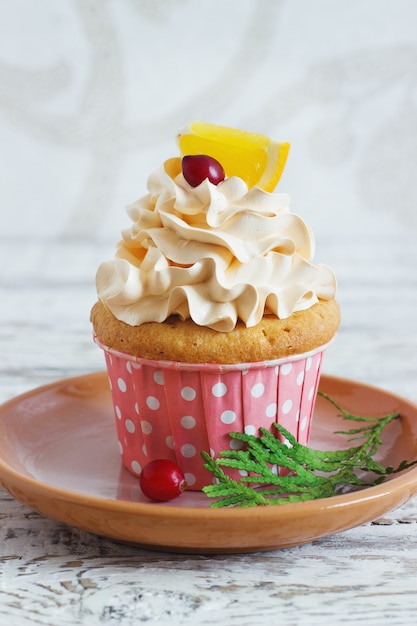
{"x":212,"y":253}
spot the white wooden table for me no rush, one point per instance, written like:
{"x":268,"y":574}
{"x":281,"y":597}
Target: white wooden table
{"x":52,"y":574}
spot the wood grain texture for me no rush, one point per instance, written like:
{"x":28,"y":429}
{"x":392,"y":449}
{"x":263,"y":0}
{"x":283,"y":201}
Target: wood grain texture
{"x":52,"y":574}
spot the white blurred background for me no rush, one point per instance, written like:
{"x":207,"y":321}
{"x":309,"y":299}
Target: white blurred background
{"x":94,"y":91}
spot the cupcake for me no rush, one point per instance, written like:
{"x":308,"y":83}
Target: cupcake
{"x":212,"y":316}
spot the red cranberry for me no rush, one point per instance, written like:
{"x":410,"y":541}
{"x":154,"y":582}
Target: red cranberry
{"x":162,"y":480}
{"x":197,"y":168}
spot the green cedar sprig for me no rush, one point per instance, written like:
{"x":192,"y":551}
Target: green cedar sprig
{"x":310,"y":474}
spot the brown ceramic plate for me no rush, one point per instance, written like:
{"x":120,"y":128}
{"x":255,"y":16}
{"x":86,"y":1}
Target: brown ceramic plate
{"x":59,"y":456}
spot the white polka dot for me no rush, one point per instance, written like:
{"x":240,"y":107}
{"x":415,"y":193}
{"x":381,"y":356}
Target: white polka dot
{"x":121,"y":384}
{"x":218,"y":390}
{"x":257,"y":390}
{"x":212,"y":453}
{"x":129,"y":367}
{"x":271,"y":410}
{"x":146,"y":427}
{"x":136,"y":408}
{"x":159,"y":377}
{"x":145,"y":450}
{"x":308,"y":363}
{"x":228,"y":417}
{"x":244,"y":372}
{"x":136,"y":467}
{"x":235,"y":444}
{"x":188,"y":393}
{"x":152,"y":403}
{"x":297,"y":417}
{"x":250,"y":429}
{"x":169,"y":442}
{"x":188,"y":422}
{"x":286,"y":368}
{"x":318,"y":363}
{"x":110,"y":384}
{"x":287,"y":443}
{"x":190,"y":479}
{"x":243,"y":472}
{"x":275,"y":469}
{"x":135,"y":365}
{"x":300,"y":378}
{"x":276,"y":370}
{"x":130,"y":427}
{"x":119,"y":443}
{"x":311,"y":393}
{"x":118,"y":412}
{"x":304,"y":423}
{"x":188,"y":450}
{"x":287,"y":406}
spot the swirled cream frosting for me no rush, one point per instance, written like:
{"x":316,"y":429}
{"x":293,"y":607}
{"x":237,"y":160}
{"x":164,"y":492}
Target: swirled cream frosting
{"x":212,"y":253}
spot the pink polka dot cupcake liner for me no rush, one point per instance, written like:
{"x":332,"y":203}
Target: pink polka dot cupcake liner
{"x":173,"y":410}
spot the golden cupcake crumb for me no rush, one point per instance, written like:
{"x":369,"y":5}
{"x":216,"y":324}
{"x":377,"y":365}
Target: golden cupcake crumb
{"x":185,"y":341}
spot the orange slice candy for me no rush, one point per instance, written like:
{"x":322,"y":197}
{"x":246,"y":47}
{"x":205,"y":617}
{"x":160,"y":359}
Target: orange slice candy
{"x":253,"y":157}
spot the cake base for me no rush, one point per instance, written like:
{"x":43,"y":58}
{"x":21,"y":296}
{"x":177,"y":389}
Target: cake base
{"x":178,"y":340}
{"x":173,"y":410}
